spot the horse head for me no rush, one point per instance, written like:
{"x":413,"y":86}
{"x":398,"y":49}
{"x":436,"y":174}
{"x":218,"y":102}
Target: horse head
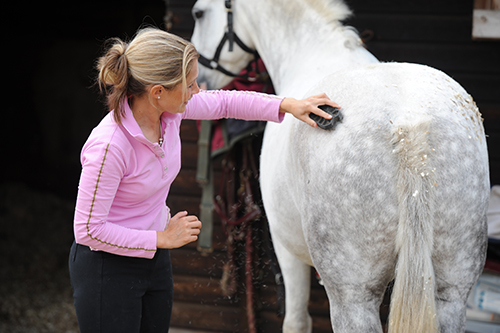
{"x":223,"y":43}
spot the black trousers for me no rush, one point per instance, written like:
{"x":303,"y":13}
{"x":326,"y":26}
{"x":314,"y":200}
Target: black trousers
{"x":121,"y":294}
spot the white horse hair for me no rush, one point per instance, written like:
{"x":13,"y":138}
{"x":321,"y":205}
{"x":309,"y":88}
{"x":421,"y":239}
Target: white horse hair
{"x":399,"y":190}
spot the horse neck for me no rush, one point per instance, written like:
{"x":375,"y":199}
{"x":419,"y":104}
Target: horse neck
{"x":300,"y":51}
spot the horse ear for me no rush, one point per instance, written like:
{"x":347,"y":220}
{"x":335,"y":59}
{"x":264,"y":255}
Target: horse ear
{"x":230,"y":33}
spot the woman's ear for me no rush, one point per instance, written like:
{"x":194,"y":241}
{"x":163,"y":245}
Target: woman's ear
{"x":156,"y":91}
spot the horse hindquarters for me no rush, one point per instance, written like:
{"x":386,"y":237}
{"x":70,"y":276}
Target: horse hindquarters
{"x":443,"y":193}
{"x":421,"y":147}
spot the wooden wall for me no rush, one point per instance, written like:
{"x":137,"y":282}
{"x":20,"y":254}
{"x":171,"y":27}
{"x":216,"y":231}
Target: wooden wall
{"x":435,"y":33}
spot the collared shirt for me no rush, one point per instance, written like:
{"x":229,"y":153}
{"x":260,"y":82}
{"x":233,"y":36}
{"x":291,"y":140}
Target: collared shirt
{"x":125,"y":178}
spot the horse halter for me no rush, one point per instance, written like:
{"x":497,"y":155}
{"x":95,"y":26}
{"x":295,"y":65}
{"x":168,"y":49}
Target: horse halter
{"x":231,"y":37}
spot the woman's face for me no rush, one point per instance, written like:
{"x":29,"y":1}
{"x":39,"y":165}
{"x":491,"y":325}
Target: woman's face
{"x":175,"y":101}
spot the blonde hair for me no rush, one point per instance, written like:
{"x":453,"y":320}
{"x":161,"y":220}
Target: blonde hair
{"x":153,"y":57}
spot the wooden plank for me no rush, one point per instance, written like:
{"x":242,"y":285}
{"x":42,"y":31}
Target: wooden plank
{"x":411,"y":27}
{"x":482,"y":4}
{"x":486,"y":4}
{"x":208,"y":317}
{"x":267,"y":299}
{"x":486,"y":24}
{"x":408,"y":6}
{"x":179,"y":202}
{"x":189,"y":131}
{"x":491,"y":115}
{"x":484,"y":88}
{"x":189,"y":154}
{"x":269,"y":322}
{"x":207,"y":292}
{"x":267,"y":318}
{"x":219,"y":244}
{"x":188,"y":261}
{"x":446,"y":7}
{"x":493,"y":141}
{"x":200,"y":290}
{"x":494,"y":172}
{"x":191,"y":204}
{"x":233,"y":319}
{"x":186,"y":184}
{"x":180,"y":3}
{"x":469,"y":57}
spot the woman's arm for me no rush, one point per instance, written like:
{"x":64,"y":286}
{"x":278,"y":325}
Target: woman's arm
{"x":249,"y":105}
{"x":246,"y":105}
{"x":102,"y":170}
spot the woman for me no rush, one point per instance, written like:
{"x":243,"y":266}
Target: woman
{"x":120,"y":263}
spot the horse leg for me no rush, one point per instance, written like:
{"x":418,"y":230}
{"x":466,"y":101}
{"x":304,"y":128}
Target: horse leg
{"x":354,"y":308}
{"x":451,"y":315}
{"x":355,"y":283}
{"x":458,"y":265}
{"x":355,"y":264}
{"x":354,"y":256}
{"x":452,"y":291}
{"x":297,"y":279}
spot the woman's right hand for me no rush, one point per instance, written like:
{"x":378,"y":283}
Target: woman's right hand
{"x":181,"y":230}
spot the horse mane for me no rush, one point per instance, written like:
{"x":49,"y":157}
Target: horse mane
{"x":335,"y":11}
{"x":332,"y":10}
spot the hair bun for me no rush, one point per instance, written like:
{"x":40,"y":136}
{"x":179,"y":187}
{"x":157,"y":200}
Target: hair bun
{"x":113,"y":66}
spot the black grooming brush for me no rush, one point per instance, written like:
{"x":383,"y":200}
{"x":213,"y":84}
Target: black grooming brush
{"x":327,"y":124}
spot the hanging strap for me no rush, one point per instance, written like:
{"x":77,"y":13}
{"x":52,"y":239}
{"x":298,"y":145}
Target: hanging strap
{"x":204,"y":139}
{"x":204,"y":176}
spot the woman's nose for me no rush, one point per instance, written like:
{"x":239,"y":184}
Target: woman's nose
{"x":196,"y":88}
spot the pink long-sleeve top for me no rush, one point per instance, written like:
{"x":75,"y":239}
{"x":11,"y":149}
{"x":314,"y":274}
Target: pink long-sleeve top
{"x":125,"y":178}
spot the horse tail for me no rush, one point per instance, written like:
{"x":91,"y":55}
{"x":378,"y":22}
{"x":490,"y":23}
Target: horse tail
{"x":413,"y":306}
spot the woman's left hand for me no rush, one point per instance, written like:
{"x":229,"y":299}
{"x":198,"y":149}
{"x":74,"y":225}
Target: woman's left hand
{"x":301,"y":109}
